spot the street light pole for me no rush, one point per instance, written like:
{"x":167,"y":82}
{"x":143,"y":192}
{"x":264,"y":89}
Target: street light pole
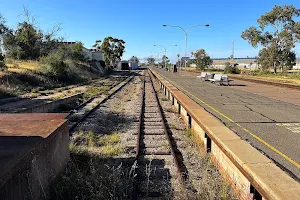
{"x":186,"y":34}
{"x":165,"y":48}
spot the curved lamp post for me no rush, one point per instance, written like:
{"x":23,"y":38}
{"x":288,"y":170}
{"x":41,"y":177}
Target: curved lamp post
{"x":186,"y":31}
{"x":165,"y":48}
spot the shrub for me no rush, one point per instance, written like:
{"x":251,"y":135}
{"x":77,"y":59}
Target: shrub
{"x":54,"y":65}
{"x":76,"y":52}
{"x":229,"y":69}
{"x":2,"y":66}
{"x":2,"y":63}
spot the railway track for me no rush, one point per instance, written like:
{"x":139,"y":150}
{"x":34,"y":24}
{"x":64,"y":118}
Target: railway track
{"x":80,"y":113}
{"x":158,"y":166}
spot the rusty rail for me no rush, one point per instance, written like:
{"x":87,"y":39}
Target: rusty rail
{"x":166,"y":132}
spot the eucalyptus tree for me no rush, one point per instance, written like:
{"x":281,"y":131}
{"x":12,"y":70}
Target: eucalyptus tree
{"x":202,"y":59}
{"x":113,"y":50}
{"x":278,"y":31}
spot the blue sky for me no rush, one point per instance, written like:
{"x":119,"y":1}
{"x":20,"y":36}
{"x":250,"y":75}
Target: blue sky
{"x":139,"y":22}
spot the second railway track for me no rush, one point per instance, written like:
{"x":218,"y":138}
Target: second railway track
{"x":88,"y":107}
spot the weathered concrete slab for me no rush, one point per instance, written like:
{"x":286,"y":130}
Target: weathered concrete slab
{"x":34,"y":148}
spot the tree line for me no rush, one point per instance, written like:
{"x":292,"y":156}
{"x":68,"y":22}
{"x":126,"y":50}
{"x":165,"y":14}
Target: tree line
{"x":277,"y":33}
{"x":29,"y":42}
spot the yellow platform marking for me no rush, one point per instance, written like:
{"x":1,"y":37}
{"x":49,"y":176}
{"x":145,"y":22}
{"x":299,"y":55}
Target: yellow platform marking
{"x":246,"y":130}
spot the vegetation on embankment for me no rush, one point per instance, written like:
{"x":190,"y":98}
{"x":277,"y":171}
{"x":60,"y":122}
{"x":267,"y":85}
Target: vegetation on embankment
{"x":34,"y":59}
{"x":27,"y":76}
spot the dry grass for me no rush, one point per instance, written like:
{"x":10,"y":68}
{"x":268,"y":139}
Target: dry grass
{"x":95,"y":171}
{"x":279,"y":77}
{"x":90,"y":176}
{"x":94,"y":90}
{"x":208,"y":182}
{"x":22,"y":66}
{"x":23,"y":76}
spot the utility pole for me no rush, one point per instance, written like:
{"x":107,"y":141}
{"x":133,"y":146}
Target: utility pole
{"x":186,"y":35}
{"x":233,"y":50}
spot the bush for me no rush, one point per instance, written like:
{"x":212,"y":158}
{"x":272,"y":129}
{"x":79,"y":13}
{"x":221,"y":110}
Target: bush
{"x":229,"y":69}
{"x":2,"y":63}
{"x":76,"y":52}
{"x":54,"y":65}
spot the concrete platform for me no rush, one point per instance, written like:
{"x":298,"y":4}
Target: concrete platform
{"x":266,"y":116}
{"x":34,"y":148}
{"x":250,"y":173}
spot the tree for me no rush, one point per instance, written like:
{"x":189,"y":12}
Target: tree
{"x":113,"y":50}
{"x":277,"y":51}
{"x":2,"y":63}
{"x":134,"y":59}
{"x":164,"y":60}
{"x":150,"y":61}
{"x":231,"y":69}
{"x":97,"y":44}
{"x":3,"y":30}
{"x":27,"y":41}
{"x":3,"y":27}
{"x":202,"y":60}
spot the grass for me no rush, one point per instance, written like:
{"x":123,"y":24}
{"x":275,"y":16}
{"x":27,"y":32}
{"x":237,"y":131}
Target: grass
{"x":92,"y":176}
{"x":90,"y":139}
{"x":59,"y":89}
{"x":95,"y":171}
{"x":284,"y":77}
{"x":291,"y":76}
{"x":60,"y":96}
{"x":173,"y":126}
{"x":189,"y":133}
{"x":165,"y":145}
{"x":21,"y":66}
{"x":24,"y":76}
{"x":94,"y":90}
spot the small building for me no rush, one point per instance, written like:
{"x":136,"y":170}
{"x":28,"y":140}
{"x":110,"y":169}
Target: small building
{"x":123,"y":65}
{"x":93,"y":54}
{"x":90,"y":54}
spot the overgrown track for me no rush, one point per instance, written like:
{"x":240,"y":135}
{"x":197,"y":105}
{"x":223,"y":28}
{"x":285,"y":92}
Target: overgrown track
{"x":28,"y":104}
{"x":155,"y":150}
{"x":85,"y":109}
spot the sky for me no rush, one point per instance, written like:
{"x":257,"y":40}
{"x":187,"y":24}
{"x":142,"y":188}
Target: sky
{"x":139,"y":23}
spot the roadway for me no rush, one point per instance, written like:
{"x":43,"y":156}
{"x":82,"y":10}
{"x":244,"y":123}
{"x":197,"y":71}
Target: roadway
{"x":268,"y":117}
